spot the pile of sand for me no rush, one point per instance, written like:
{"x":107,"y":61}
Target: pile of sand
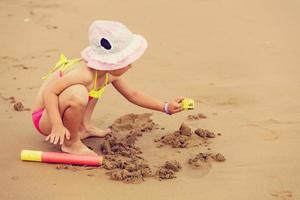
{"x":121,"y":147}
{"x":185,"y":137}
{"x":168,"y":170}
{"x":17,"y":105}
{"x":129,"y":170}
{"x":122,"y":158}
{"x":204,"y":159}
{"x":133,"y":123}
{"x":124,"y":161}
{"x":196,"y":116}
{"x":178,"y":139}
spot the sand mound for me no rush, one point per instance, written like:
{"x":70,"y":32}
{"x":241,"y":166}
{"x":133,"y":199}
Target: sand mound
{"x":184,"y":137}
{"x":122,"y":158}
{"x":123,"y":147}
{"x":177,"y":139}
{"x":137,"y":123}
{"x":205,"y":133}
{"x":128,"y":170}
{"x":17,"y":105}
{"x":168,"y":170}
{"x":196,"y":116}
{"x":203,"y":160}
{"x":124,"y":162}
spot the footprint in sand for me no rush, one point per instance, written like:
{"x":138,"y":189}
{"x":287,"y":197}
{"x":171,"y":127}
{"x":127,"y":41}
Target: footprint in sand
{"x":36,"y":11}
{"x":268,"y":134}
{"x":33,"y":6}
{"x":283,"y":195}
{"x":15,"y":178}
{"x":21,"y":66}
{"x":4,"y":59}
{"x":51,"y":27}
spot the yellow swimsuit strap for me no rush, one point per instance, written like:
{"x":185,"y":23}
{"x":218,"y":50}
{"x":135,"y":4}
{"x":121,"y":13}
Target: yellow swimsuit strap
{"x":98,"y":93}
{"x":62,"y":65}
{"x":95,"y":81}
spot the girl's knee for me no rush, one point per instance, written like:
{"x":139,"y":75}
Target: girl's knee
{"x":76,"y":96}
{"x":78,"y":102}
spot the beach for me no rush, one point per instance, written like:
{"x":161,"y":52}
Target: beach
{"x":239,"y":61}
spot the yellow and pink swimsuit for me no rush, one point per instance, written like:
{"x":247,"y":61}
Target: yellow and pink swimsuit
{"x":62,"y":65}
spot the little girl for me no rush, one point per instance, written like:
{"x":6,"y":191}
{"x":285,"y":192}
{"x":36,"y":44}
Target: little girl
{"x":68,"y":96}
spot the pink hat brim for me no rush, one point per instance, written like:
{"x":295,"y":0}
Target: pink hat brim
{"x":98,"y":65}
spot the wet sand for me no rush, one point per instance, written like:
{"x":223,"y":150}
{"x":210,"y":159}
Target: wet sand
{"x":238,"y":59}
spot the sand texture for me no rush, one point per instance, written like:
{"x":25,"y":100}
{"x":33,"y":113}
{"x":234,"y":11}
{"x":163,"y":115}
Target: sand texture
{"x":238,"y":59}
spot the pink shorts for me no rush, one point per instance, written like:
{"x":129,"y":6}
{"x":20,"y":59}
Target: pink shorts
{"x":36,"y":117}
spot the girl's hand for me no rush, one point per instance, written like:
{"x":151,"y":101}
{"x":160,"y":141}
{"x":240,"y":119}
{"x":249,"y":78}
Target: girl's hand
{"x":175,"y":106}
{"x":58,"y":134}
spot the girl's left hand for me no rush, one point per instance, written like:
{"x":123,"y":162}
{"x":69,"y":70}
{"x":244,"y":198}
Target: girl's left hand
{"x":175,"y":105}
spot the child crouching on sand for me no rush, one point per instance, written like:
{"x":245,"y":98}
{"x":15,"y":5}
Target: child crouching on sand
{"x":68,"y":96}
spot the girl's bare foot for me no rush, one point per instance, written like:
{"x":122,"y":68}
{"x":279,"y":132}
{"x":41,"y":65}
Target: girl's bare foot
{"x":77,"y":148}
{"x":92,"y":131}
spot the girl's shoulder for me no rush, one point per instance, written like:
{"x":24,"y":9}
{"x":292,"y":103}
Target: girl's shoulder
{"x":82,"y":69}
{"x":79,"y":71}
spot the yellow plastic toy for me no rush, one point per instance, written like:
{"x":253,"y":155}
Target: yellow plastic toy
{"x":57,"y":157}
{"x":188,"y":104}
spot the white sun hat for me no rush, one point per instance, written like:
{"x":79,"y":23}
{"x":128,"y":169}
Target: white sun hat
{"x":112,"y":46}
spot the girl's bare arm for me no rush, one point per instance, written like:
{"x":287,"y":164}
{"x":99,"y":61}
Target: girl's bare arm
{"x":143,"y":100}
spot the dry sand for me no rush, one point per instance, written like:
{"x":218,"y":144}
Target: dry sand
{"x":238,"y":59}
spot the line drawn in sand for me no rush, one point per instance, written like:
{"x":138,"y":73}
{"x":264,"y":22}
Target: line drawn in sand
{"x":283,"y":194}
{"x":268,"y":134}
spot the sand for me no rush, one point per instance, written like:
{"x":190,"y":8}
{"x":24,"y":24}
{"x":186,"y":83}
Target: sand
{"x":124,"y":159}
{"x":239,"y":61}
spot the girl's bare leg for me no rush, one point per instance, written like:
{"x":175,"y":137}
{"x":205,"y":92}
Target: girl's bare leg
{"x":72,"y":104}
{"x":72,"y":119}
{"x":87,"y":129}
